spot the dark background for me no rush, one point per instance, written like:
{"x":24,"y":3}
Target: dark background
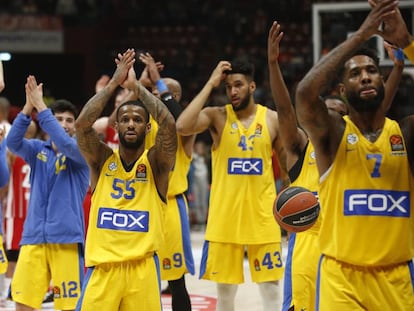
{"x":188,"y":36}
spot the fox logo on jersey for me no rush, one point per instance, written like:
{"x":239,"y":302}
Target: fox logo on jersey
{"x":377,"y":203}
{"x":240,"y":166}
{"x":114,"y":219}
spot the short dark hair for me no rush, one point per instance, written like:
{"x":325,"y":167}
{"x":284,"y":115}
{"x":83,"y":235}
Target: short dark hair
{"x":134,"y":103}
{"x":242,"y":66}
{"x":364,"y":50}
{"x":63,"y":105}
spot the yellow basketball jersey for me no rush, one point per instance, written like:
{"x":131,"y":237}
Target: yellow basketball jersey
{"x":243,"y":187}
{"x":409,"y":52}
{"x":125,"y":221}
{"x":150,"y":137}
{"x":366,"y":200}
{"x":178,"y":182}
{"x":309,"y":178}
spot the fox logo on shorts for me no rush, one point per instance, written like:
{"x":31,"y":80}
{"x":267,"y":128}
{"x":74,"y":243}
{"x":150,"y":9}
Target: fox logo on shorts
{"x":256,"y":265}
{"x":56,"y":292}
{"x":166,"y":264}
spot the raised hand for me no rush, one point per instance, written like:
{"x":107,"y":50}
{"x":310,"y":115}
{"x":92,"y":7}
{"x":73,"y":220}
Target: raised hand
{"x":34,"y":93}
{"x":273,"y":42}
{"x":124,"y":62}
{"x":395,"y":54}
{"x":394,"y":28}
{"x":152,"y":69}
{"x":381,"y":11}
{"x":219,"y":73}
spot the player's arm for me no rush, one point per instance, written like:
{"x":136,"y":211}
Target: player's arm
{"x":194,"y":119}
{"x":393,"y":81}
{"x":292,"y":137}
{"x":95,"y":151}
{"x":15,"y":140}
{"x":162,"y":154}
{"x":325,"y":130}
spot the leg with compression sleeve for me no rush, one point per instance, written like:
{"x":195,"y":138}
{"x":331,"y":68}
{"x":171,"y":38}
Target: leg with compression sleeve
{"x":271,"y":295}
{"x":180,"y":299}
{"x":225,"y":296}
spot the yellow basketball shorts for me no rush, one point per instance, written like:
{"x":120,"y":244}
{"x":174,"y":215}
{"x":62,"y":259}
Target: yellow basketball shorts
{"x":38,"y":264}
{"x":345,"y":287}
{"x":223,"y":262}
{"x":124,"y":286}
{"x":175,"y":254}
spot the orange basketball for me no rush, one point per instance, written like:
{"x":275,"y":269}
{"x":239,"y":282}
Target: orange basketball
{"x":296,"y":209}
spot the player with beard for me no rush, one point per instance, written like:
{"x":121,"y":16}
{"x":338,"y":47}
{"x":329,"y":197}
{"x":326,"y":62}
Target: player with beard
{"x":129,"y":192}
{"x":243,"y":190}
{"x":365,"y":161}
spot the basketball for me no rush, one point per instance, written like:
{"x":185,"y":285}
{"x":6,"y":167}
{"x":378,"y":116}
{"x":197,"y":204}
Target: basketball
{"x":296,"y":209}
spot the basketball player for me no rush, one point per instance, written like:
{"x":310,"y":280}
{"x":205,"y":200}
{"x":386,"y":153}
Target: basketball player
{"x":129,"y":187}
{"x":53,"y":234}
{"x":303,"y":251}
{"x":366,"y":231}
{"x":176,"y":257}
{"x":243,"y":186}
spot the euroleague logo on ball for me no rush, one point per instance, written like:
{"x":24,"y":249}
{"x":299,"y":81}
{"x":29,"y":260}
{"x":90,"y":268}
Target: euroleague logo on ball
{"x":296,"y":209}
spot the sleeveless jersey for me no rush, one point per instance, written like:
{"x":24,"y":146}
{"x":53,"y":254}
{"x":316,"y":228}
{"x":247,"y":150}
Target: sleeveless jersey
{"x":366,"y":200}
{"x":178,"y":182}
{"x":309,"y":179}
{"x":243,"y":187}
{"x":125,"y":221}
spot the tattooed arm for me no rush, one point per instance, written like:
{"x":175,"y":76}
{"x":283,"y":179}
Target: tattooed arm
{"x":94,"y":151}
{"x":324,"y":129}
{"x":162,"y":154}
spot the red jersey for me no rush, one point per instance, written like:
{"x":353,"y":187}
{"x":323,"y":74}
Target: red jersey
{"x":112,"y":139}
{"x":17,"y":202}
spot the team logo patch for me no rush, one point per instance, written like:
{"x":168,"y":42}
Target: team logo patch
{"x":397,"y":143}
{"x":258,"y":130}
{"x":352,"y":139}
{"x":234,"y":126}
{"x":166,"y":264}
{"x":141,"y":171}
{"x":112,"y":166}
{"x":42,"y":156}
{"x":256,"y":265}
{"x":56,"y":292}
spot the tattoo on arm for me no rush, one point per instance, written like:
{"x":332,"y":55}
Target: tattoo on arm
{"x":94,"y":107}
{"x":166,"y":139}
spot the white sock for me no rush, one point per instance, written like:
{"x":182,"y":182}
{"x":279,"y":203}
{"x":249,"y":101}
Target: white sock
{"x":225,"y":296}
{"x":271,"y":295}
